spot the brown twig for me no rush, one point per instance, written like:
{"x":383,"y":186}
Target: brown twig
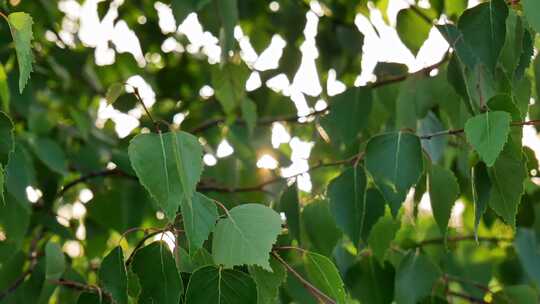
{"x":449,"y":277}
{"x":92,"y":175}
{"x":455,"y":239}
{"x":260,"y":186}
{"x":295,"y":118}
{"x":460,"y":131}
{"x":83,"y":287}
{"x":141,"y":243}
{"x":465,"y":297}
{"x":33,"y":258}
{"x":319,"y":295}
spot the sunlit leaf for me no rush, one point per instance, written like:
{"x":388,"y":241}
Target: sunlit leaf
{"x":20,"y":25}
{"x":246,"y":236}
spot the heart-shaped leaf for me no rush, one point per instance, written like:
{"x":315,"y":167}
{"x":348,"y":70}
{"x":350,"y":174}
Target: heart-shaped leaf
{"x":488,"y":133}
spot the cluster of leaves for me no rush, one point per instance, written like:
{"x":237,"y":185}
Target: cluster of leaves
{"x":452,"y":131}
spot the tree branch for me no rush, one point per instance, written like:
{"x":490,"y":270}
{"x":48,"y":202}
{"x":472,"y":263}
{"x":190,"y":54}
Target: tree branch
{"x":456,"y":239}
{"x":33,"y":257}
{"x":319,"y":295}
{"x":469,"y":298}
{"x":460,"y":131}
{"x":92,"y":175}
{"x":296,"y":119}
{"x":84,"y":287}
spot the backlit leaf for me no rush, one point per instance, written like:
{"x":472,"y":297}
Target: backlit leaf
{"x":212,"y":285}
{"x":394,"y":160}
{"x":20,"y":25}
{"x":159,"y":279}
{"x":168,"y":165}
{"x":113,"y":276}
{"x":488,"y":133}
{"x":415,"y":278}
{"x":443,"y":192}
{"x":246,"y":236}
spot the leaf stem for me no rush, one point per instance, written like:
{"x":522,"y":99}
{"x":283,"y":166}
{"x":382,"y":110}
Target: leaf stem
{"x":140,"y":100}
{"x":319,"y":295}
{"x":4,"y":16}
{"x":141,"y":243}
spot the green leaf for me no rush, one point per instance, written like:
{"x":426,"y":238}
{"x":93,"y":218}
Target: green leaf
{"x":2,"y":184}
{"x":228,"y":83}
{"x":228,"y":14}
{"x":268,"y":283}
{"x":435,"y":147}
{"x":395,"y":163}
{"x":415,"y":277}
{"x":481,"y":188}
{"x":488,"y":133}
{"x":54,"y":261}
{"x":169,"y":166}
{"x":199,"y":219}
{"x":14,"y":222}
{"x":521,"y":294}
{"x":191,"y":262}
{"x":113,"y":276}
{"x":528,"y":251}
{"x":182,"y":8}
{"x":20,"y":173}
{"x":320,"y":227}
{"x":371,"y":282}
{"x":246,"y":236}
{"x":443,"y":192}
{"x":249,"y":113}
{"x":382,"y":235}
{"x":89,"y":298}
{"x":50,"y":153}
{"x":158,"y":276}
{"x":20,"y":25}
{"x":348,"y":115}
{"x":412,"y":29}
{"x":211,"y":285}
{"x":375,"y":207}
{"x":347,"y":197}
{"x":484,"y":30}
{"x":113,"y":92}
{"x":507,"y":176}
{"x":290,"y":205}
{"x":463,"y":50}
{"x":531,"y":9}
{"x":4,"y":89}
{"x":7,"y":141}
{"x":324,"y":275}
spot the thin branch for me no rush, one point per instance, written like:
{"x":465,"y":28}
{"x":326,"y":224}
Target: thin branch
{"x":319,"y":295}
{"x":449,"y":277}
{"x":296,"y":119}
{"x":456,"y":239}
{"x":460,"y":131}
{"x":281,"y":248}
{"x":260,"y":186}
{"x":83,"y":287}
{"x":33,"y":258}
{"x":469,"y":298}
{"x":141,"y":243}
{"x":92,"y":175}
